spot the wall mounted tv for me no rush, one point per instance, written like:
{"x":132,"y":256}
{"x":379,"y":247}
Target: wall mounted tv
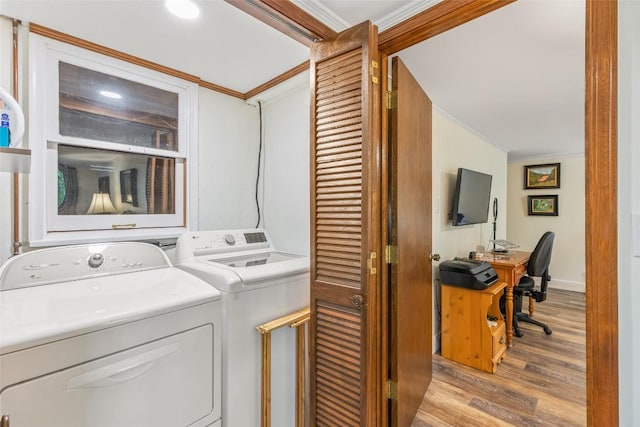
{"x":471,"y":198}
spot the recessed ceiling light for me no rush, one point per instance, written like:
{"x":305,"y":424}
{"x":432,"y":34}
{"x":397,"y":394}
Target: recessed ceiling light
{"x":110,"y":94}
{"x":183,"y":8}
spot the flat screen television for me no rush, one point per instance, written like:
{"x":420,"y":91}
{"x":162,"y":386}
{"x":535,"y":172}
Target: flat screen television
{"x":471,"y":198}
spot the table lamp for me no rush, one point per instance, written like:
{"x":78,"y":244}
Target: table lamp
{"x":101,"y":204}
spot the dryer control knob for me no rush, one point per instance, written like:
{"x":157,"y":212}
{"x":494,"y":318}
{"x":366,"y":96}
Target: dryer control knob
{"x":96,"y":260}
{"x":229,"y":239}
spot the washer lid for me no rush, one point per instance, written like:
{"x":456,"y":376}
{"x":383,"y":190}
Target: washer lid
{"x":31,"y":316}
{"x":255,"y":259}
{"x":258,"y":267}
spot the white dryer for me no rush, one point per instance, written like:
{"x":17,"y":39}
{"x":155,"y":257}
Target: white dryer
{"x":107,"y":335}
{"x":258,"y":284}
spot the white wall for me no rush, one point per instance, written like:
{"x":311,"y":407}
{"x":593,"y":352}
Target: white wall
{"x":286,"y":185}
{"x":455,"y":146}
{"x":567,"y":267}
{"x":628,"y":207}
{"x":228,"y":160}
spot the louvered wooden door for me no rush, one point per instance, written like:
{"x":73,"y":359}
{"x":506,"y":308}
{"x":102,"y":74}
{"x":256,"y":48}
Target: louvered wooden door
{"x":345,"y":367}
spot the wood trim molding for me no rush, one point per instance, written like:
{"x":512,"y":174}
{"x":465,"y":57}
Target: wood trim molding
{"x":221,"y":89}
{"x":601,"y":157}
{"x":443,"y":16}
{"x":16,"y":176}
{"x":277,"y":80}
{"x":94,"y":47}
{"x":287,"y":18}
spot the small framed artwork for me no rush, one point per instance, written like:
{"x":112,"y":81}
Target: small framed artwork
{"x":543,"y":205}
{"x":542,"y":176}
{"x":103,"y":184}
{"x":129,"y":186}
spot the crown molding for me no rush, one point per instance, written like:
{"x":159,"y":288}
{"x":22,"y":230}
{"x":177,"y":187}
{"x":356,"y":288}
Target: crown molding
{"x":515,"y":157}
{"x":322,"y":13}
{"x":330,"y":18}
{"x":468,"y":128}
{"x":404,"y":13}
{"x":281,"y":89}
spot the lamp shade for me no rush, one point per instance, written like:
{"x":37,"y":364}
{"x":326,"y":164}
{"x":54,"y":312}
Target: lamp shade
{"x":101,"y":204}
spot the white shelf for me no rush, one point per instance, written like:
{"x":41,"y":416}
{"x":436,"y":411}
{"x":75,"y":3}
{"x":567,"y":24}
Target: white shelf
{"x":15,"y":160}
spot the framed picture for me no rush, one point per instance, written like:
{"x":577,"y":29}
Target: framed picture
{"x":129,"y":186}
{"x":543,"y":205}
{"x":542,"y":176}
{"x":103,"y":184}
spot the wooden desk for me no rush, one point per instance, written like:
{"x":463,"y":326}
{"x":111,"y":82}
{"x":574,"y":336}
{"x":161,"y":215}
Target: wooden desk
{"x":510,"y":267}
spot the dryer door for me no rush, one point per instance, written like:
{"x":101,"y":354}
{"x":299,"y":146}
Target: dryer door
{"x":168,"y":382}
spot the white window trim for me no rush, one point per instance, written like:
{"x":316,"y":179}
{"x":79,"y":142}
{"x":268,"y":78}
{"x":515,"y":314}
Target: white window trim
{"x":43,"y":130}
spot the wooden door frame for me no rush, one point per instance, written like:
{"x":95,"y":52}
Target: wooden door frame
{"x":601,"y":211}
{"x":601,"y":207}
{"x":601,"y":183}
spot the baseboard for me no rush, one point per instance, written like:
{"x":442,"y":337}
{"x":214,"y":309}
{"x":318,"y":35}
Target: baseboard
{"x":567,"y":285}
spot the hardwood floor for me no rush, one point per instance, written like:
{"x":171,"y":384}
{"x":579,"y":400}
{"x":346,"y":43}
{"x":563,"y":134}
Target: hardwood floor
{"x":540,"y":382}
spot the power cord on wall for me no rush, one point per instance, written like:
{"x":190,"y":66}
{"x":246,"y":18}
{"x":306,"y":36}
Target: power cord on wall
{"x":259,"y":162}
{"x":437,"y":302}
{"x":438,"y":306}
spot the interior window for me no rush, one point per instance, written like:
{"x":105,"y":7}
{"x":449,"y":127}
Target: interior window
{"x":111,"y":145}
{"x":99,"y":106}
{"x":97,"y":182}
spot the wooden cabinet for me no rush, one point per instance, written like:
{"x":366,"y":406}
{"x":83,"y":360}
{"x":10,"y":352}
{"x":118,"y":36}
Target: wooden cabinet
{"x":473,"y":329}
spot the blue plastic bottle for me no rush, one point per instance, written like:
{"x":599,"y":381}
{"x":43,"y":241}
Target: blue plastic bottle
{"x":5,"y":133}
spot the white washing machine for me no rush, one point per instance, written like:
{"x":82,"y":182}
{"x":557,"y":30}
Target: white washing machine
{"x":107,"y":335}
{"x":258,"y":284}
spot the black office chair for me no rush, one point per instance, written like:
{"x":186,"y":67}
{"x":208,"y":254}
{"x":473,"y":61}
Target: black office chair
{"x":538,"y":266}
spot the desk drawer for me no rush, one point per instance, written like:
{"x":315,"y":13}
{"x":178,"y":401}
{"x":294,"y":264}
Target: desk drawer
{"x":499,"y":336}
{"x":519,"y":271}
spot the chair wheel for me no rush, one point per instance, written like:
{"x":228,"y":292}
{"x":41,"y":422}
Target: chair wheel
{"x":548,"y":331}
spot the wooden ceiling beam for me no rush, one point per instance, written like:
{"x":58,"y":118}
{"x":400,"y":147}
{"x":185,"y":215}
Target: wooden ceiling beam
{"x":442,"y":17}
{"x":301,"y":17}
{"x":287,"y":18}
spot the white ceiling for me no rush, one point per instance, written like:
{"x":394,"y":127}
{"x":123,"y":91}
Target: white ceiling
{"x":514,"y":76}
{"x":224,"y":45}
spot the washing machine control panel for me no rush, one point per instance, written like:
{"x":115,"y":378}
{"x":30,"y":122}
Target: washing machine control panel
{"x":68,"y":263}
{"x":213,"y":242}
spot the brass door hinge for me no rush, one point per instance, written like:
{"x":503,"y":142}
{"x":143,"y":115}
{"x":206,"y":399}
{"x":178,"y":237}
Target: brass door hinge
{"x":371,"y":263}
{"x":392,"y":100}
{"x":392,"y":390}
{"x":373,"y":71}
{"x":391,"y":254}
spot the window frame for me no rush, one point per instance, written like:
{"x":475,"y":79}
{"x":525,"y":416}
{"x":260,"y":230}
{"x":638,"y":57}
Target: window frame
{"x":46,"y":227}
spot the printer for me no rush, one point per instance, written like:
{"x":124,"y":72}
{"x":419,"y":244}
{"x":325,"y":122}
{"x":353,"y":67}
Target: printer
{"x":467,"y":273}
